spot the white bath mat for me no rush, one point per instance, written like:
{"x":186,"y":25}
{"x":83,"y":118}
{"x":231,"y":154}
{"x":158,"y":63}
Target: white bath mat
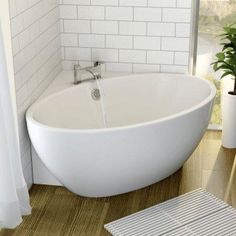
{"x":194,"y":213}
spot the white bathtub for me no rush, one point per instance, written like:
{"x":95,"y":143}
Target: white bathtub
{"x":155,"y":123}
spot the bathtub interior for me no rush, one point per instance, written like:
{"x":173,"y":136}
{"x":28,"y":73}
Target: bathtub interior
{"x":127,"y":101}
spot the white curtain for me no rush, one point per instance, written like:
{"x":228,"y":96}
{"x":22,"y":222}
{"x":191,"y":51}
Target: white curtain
{"x":14,"y":198}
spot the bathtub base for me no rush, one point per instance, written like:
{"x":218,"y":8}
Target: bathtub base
{"x":111,"y":194}
{"x":42,"y":176}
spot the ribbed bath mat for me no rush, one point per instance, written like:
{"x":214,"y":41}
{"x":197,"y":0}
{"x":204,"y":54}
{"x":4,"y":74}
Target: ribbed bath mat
{"x":194,"y":213}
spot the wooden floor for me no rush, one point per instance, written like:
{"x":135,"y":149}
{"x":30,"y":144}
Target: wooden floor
{"x":58,"y":212}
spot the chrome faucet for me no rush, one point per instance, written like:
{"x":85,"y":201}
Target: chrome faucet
{"x":95,"y":71}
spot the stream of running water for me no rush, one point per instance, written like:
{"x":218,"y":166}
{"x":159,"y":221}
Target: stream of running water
{"x":102,"y":102}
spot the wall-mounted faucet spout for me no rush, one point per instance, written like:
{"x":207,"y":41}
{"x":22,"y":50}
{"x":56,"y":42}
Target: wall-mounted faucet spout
{"x":96,"y":75}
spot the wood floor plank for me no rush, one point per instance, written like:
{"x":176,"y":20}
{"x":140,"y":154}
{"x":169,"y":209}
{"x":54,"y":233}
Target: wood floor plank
{"x":56,"y":211}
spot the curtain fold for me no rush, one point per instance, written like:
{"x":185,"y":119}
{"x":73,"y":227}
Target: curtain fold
{"x":14,"y":197}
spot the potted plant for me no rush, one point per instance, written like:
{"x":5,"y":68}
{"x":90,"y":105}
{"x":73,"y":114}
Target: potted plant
{"x":226,"y":61}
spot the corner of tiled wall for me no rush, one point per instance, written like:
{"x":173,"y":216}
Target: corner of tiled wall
{"x":129,"y":35}
{"x":37,"y":59}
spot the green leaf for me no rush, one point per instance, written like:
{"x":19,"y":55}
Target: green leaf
{"x":213,"y":63}
{"x":232,"y":62}
{"x":215,"y":66}
{"x":225,"y":74}
{"x":226,"y":29}
{"x":220,"y":56}
{"x":232,"y":31}
{"x":226,"y":59}
{"x":224,"y":67}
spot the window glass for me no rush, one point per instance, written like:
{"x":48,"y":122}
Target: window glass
{"x":213,"y":15}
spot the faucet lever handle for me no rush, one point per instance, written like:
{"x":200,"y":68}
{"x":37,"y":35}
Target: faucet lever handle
{"x":98,"y":63}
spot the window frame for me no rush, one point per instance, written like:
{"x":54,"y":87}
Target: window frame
{"x":194,"y":36}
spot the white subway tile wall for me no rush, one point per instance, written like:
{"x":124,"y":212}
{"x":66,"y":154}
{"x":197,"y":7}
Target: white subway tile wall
{"x":129,"y":35}
{"x":36,"y":45}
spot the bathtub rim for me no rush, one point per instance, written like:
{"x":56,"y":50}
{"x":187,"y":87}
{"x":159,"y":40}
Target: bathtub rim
{"x":31,"y":109}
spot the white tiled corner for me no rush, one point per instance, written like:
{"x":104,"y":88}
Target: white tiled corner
{"x":76,"y":26}
{"x":68,"y":12}
{"x":37,"y":59}
{"x":69,"y":40}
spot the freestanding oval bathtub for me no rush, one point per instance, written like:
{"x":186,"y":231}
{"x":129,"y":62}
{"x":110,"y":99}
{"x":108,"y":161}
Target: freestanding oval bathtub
{"x":155,"y":121}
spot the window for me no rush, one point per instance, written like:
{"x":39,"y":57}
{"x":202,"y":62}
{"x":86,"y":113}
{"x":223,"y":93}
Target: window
{"x":213,"y":15}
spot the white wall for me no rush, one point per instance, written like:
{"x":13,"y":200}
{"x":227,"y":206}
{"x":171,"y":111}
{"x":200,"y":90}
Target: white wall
{"x":37,"y":59}
{"x":129,"y":35}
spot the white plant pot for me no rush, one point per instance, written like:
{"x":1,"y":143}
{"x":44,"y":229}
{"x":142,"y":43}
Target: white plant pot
{"x":229,"y":121}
